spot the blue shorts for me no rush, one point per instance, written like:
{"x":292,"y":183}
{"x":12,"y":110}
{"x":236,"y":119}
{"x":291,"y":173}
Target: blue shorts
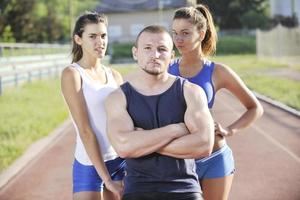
{"x":219,"y":164}
{"x":86,"y":178}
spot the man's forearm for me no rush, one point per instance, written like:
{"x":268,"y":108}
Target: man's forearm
{"x":188,"y":146}
{"x":144,"y":142}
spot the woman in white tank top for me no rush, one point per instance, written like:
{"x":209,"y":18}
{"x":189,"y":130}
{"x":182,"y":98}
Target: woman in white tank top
{"x":85,"y":85}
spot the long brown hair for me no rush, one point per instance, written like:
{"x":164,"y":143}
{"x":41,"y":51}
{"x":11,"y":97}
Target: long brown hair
{"x":87,"y":18}
{"x":202,"y":18}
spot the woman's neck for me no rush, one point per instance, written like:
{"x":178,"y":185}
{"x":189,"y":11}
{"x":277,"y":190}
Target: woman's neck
{"x":89,"y":63}
{"x":191,"y":58}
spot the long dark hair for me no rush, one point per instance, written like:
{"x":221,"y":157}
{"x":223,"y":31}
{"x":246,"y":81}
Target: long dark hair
{"x":202,"y":18}
{"x":87,"y":18}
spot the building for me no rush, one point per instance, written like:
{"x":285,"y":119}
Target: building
{"x":285,"y":8}
{"x":127,"y":18}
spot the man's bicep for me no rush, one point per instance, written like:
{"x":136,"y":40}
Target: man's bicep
{"x":197,"y":114}
{"x":119,"y":122}
{"x":118,"y":119}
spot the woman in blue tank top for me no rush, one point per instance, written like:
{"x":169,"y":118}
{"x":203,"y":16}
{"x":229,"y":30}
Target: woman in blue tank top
{"x":195,"y":37}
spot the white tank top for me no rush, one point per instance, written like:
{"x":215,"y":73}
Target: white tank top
{"x":95,"y":94}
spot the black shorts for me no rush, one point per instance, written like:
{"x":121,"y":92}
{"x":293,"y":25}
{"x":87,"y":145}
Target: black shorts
{"x":163,"y":196}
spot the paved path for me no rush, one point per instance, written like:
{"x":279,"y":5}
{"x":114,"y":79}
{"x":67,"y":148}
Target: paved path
{"x":267,"y":154}
{"x":267,"y":159}
{"x":48,"y":176}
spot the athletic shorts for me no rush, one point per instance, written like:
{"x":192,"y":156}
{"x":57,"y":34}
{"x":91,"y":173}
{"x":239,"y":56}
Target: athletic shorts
{"x":86,"y":178}
{"x":162,"y":196}
{"x":219,"y":164}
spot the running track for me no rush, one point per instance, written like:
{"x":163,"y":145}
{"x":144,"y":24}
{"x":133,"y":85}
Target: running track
{"x":267,"y":157}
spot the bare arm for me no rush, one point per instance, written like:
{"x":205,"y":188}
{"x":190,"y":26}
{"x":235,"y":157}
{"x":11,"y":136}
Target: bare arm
{"x":132,"y":143}
{"x":226,"y":78}
{"x":199,"y":123}
{"x":72,"y":92}
{"x":117,"y":76}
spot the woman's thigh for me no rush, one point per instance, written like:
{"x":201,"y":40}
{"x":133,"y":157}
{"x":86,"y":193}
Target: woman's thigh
{"x":217,"y":188}
{"x":87,"y":196}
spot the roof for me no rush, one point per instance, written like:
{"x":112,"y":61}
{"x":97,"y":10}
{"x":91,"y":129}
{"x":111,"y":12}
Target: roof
{"x":112,"y":6}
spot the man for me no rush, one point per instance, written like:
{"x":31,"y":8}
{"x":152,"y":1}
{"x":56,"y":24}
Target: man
{"x":159,"y":123}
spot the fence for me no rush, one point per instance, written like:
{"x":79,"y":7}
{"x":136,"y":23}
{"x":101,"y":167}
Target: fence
{"x":18,"y":69}
{"x":17,"y":49}
{"x":280,"y":43}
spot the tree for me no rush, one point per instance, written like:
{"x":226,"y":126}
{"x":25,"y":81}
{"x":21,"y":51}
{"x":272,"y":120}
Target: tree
{"x":15,"y":14}
{"x":231,"y":14}
{"x":40,"y":20}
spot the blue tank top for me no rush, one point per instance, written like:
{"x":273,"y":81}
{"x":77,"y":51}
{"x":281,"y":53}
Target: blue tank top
{"x":203,"y":78}
{"x":156,"y":172}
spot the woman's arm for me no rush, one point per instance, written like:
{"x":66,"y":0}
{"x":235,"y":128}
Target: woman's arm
{"x":226,"y":78}
{"x":72,"y":91}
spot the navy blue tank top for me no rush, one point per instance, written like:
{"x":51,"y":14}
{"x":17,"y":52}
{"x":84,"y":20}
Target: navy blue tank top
{"x":203,"y":78}
{"x":156,"y":172}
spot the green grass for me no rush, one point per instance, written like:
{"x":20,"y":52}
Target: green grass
{"x":121,"y":50}
{"x":124,"y":68}
{"x":248,"y":63}
{"x":28,"y":113}
{"x":254,"y":72}
{"x":282,"y":89}
{"x":236,"y":45}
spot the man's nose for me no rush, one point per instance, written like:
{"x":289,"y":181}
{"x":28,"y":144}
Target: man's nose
{"x":155,"y":54}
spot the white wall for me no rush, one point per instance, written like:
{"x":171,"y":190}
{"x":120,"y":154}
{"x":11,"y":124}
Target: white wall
{"x":125,"y":26}
{"x":285,"y":7}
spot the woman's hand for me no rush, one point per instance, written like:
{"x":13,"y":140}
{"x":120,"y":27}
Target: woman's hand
{"x":219,"y":130}
{"x":115,"y":188}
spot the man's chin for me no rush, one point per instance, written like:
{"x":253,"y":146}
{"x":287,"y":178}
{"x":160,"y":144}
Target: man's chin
{"x":153,"y":73}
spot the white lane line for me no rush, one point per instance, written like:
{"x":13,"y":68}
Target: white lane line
{"x":268,"y":137}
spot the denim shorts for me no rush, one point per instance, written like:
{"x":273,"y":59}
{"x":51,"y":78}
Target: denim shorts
{"x":219,"y":164}
{"x":86,"y":178}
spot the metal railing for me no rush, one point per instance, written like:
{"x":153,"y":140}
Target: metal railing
{"x":13,"y":73}
{"x":15,"y":49}
{"x":37,"y":61}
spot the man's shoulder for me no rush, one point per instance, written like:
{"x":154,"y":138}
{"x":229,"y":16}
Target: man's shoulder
{"x":114,"y":97}
{"x":193,"y":91}
{"x":192,"y":87}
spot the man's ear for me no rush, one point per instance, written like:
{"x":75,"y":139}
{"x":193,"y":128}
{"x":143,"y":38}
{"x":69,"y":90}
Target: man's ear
{"x":78,"y":40}
{"x":134,"y":52}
